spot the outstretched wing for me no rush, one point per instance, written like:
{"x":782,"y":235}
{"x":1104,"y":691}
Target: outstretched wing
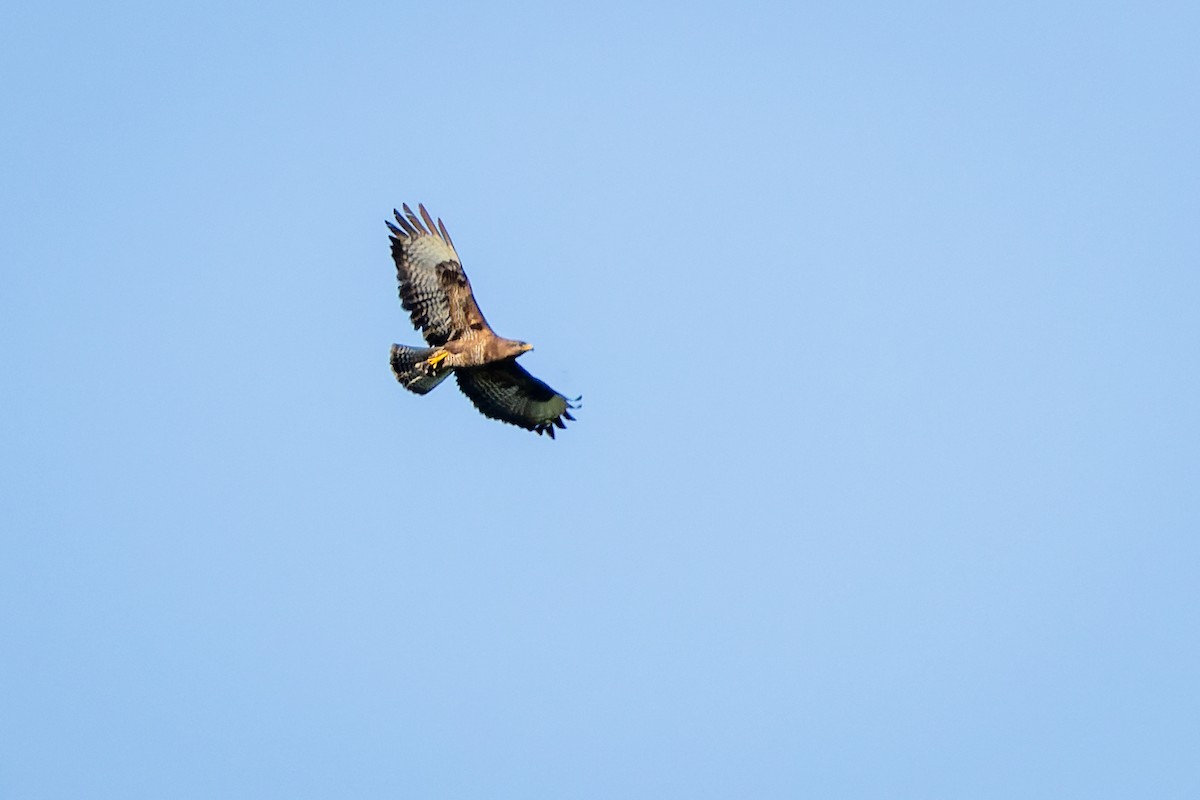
{"x":503,"y":390}
{"x":433,"y":287}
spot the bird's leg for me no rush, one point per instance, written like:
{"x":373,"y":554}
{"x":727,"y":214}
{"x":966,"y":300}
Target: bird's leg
{"x":436,"y":359}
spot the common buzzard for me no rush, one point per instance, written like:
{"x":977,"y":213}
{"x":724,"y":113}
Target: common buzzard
{"x":435,"y":291}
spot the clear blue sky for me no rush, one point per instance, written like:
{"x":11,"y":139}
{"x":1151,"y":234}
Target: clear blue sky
{"x":887,"y":322}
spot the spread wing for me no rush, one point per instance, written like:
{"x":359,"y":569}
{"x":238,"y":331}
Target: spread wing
{"x":503,"y":390}
{"x":433,"y":287}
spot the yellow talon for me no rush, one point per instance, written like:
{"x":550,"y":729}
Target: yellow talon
{"x":436,"y":359}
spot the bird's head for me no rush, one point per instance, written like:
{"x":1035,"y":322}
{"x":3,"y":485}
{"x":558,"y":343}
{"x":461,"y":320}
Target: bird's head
{"x":511,"y":348}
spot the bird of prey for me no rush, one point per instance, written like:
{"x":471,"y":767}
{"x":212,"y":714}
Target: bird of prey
{"x":435,"y":291}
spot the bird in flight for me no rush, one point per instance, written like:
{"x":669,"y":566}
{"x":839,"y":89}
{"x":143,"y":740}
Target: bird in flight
{"x":436,"y":293}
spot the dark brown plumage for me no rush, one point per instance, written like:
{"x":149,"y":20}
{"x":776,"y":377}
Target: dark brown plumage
{"x":436,"y":293}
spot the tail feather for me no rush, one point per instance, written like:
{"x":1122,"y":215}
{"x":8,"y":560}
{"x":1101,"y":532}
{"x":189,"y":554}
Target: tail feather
{"x":407,"y":367}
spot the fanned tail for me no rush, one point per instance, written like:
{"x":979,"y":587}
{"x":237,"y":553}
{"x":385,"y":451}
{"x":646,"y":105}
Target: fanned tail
{"x":413,"y":374}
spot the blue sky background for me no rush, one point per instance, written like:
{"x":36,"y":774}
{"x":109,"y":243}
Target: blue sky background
{"x":885,"y":484}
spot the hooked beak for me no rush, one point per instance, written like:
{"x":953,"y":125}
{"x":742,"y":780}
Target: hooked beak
{"x":525,"y":348}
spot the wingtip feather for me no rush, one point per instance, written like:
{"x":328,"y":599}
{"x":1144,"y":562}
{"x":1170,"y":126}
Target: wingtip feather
{"x":428,"y":219}
{"x":404,"y":224}
{"x":416,"y":222}
{"x":445,"y":233}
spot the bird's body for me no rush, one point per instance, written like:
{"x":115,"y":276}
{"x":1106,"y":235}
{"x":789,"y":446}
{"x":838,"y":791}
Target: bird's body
{"x":435,"y":291}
